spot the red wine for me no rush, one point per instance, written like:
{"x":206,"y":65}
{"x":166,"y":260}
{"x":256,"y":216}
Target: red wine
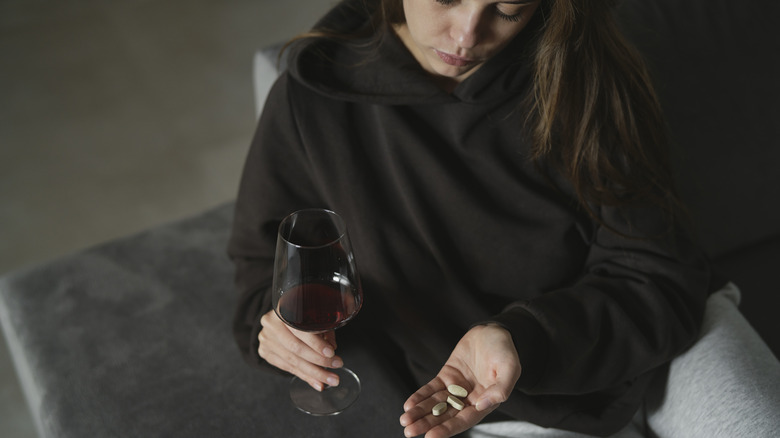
{"x":317,"y":307}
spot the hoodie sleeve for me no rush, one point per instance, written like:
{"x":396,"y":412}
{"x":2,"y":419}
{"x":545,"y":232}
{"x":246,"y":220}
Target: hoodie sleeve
{"x":275,"y":182}
{"x":588,"y":351}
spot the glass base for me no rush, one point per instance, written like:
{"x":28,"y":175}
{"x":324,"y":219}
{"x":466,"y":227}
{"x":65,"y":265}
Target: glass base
{"x":332,"y":400}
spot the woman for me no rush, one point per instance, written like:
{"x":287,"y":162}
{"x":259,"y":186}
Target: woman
{"x":501,"y":167}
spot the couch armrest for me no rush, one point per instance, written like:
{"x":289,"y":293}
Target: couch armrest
{"x":133,"y":338}
{"x":753,"y":269}
{"x":726,"y":385}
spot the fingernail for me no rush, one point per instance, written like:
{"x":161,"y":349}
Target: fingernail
{"x":337,"y":363}
{"x":328,"y":352}
{"x":333,"y":381}
{"x":483,"y":404}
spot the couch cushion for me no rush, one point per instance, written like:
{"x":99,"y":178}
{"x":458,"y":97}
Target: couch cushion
{"x":717,"y":72}
{"x":716,"y":67}
{"x":754,"y":270}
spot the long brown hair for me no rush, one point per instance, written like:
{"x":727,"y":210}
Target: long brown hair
{"x":594,"y":115}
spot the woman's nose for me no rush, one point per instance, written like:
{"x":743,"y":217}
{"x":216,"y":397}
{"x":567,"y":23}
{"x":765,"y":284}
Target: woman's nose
{"x":465,"y":29}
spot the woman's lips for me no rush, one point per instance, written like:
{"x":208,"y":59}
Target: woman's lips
{"x":454,"y":60}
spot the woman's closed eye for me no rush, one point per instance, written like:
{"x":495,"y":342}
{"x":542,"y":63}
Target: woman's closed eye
{"x":514,"y":16}
{"x":512,"y":10}
{"x":509,"y":11}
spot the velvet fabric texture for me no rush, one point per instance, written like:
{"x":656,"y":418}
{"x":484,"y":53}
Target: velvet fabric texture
{"x":132,"y":339}
{"x":715,"y":68}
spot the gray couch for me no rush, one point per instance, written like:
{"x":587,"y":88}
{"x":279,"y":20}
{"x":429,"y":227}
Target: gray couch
{"x":132,"y":338}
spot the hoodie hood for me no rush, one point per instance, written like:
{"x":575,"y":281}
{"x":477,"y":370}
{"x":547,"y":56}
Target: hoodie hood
{"x":376,"y":67}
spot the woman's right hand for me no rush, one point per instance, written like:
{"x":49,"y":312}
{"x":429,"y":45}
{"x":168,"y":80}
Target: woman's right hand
{"x":306,"y":355}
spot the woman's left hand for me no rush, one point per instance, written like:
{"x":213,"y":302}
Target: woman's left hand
{"x":485,"y":363}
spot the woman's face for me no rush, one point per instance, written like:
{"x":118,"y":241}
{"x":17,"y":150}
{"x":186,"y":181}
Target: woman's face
{"x":452,"y":38}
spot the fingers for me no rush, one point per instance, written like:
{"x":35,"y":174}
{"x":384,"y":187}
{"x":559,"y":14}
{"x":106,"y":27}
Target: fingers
{"x":306,"y":355}
{"x":316,"y":377}
{"x":418,"y":417}
{"x":420,"y":409}
{"x":420,"y":420}
{"x":448,"y":375}
{"x":317,"y":344}
{"x":330,"y":338}
{"x":426,"y":392}
{"x":460,"y":421}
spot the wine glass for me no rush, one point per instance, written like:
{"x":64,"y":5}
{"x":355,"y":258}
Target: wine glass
{"x":316,"y":288}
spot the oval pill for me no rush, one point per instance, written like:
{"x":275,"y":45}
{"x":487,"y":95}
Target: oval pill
{"x":457,"y":391}
{"x":439,"y":409}
{"x":455,"y":402}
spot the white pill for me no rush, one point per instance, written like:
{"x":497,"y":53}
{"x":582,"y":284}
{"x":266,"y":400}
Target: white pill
{"x":439,"y":409}
{"x":455,"y":402}
{"x":457,"y":391}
